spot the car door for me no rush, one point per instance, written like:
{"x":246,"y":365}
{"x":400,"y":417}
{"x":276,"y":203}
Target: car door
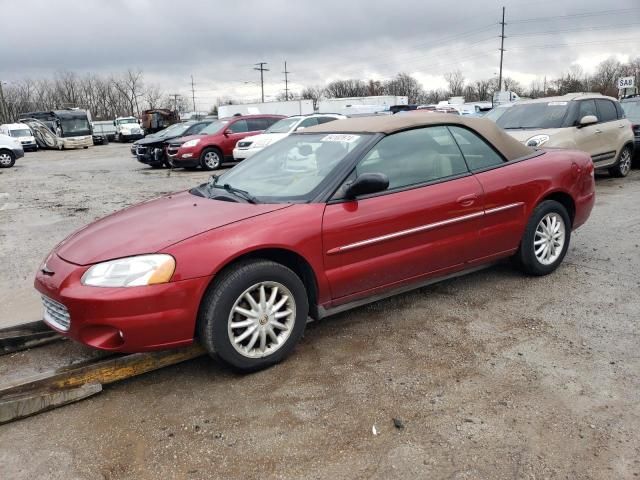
{"x":589,"y":138}
{"x":506,"y":190}
{"x":234,"y":132}
{"x":425,"y":223}
{"x":612,"y":136}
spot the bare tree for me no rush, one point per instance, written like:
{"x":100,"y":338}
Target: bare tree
{"x":456,"y":82}
{"x":375,"y":88}
{"x":153,"y":96}
{"x":346,"y":88}
{"x":404,"y":85}
{"x":313,"y":93}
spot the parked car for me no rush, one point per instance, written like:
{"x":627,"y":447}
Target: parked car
{"x":127,"y":129}
{"x":496,"y":112}
{"x":216,"y":146}
{"x":282,"y":128}
{"x":631,"y":107}
{"x":10,"y":150}
{"x":21,"y":132}
{"x":152,"y":150}
{"x":104,"y":129}
{"x":585,"y":121}
{"x":384,"y":205}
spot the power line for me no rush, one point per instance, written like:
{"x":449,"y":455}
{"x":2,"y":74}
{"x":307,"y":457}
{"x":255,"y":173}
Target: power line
{"x":262,"y":70}
{"x":580,"y":29}
{"x":577,"y":15}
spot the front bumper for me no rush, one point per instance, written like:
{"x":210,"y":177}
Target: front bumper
{"x":244,"y":153}
{"x":128,"y":320}
{"x":153,"y":155}
{"x":126,"y":137}
{"x":29,"y":146}
{"x":78,"y":142}
{"x":182,"y":157}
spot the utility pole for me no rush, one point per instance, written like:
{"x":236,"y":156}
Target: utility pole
{"x":193,"y":94}
{"x":261,"y":69}
{"x":502,"y":37}
{"x":286,"y":81}
{"x":4,"y":117}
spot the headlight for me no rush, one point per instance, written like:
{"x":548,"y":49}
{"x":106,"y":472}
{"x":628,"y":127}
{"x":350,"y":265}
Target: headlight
{"x":537,"y":141}
{"x":131,"y":272}
{"x":191,"y":143}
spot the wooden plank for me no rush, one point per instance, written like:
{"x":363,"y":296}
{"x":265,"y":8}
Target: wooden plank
{"x":49,"y":390}
{"x":26,"y":335}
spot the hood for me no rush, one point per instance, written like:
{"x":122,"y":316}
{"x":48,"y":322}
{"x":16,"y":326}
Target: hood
{"x":265,"y":139}
{"x":524,"y":135}
{"x":181,"y":140}
{"x":129,"y":126}
{"x":154,"y":225}
{"x":148,"y":140}
{"x":29,"y":138}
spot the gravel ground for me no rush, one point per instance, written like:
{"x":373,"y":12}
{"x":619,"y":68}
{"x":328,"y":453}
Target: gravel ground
{"x":489,"y":376}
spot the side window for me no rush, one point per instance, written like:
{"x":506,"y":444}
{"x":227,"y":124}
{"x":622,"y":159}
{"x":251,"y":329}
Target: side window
{"x":607,"y":110}
{"x":413,"y":157}
{"x":478,"y":154}
{"x":308,"y":122}
{"x":256,"y":124}
{"x":268,"y":121}
{"x":239,"y":126}
{"x":322,"y":120}
{"x":587,"y":107}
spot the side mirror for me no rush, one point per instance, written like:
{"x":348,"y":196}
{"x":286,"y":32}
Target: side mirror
{"x":114,"y":123}
{"x":588,"y":120}
{"x":227,"y":132}
{"x":367,"y":183}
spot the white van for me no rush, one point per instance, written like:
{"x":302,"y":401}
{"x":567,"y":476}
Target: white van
{"x":20,"y":132}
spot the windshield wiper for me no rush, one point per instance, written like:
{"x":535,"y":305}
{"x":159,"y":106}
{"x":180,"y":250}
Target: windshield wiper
{"x":235,"y":191}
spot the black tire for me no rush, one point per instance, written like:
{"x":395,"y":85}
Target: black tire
{"x":623,"y":165}
{"x":228,"y":288}
{"x":526,"y":256}
{"x":208,"y":158}
{"x":7,"y":159}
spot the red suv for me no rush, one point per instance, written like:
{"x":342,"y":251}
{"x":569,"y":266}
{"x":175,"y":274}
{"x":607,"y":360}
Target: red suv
{"x":216,"y":146}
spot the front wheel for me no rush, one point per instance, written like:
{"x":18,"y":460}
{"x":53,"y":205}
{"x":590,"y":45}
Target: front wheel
{"x":7,"y":159}
{"x":211,"y":159}
{"x":253,"y":315}
{"x":545,"y":240}
{"x":623,"y":167}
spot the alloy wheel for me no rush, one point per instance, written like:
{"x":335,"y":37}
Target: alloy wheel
{"x":212,"y":160}
{"x":549,"y":238}
{"x":625,"y":162}
{"x":5,"y":159}
{"x":261,"y":319}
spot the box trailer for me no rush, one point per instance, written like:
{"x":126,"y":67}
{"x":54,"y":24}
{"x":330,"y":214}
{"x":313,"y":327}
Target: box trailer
{"x":291,"y":107}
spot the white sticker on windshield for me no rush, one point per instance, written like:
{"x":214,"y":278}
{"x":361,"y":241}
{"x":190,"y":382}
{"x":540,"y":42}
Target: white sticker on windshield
{"x":557,"y":104}
{"x":340,"y":137}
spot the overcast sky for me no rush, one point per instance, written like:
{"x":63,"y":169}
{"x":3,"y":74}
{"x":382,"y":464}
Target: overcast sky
{"x":220,"y":41}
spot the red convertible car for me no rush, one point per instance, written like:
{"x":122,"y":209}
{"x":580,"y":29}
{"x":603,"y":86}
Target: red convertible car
{"x":324,"y":220}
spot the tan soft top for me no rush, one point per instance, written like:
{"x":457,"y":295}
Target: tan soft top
{"x":388,"y":124}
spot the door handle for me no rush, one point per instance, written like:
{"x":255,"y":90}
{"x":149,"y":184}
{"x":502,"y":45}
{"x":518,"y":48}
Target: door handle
{"x":467,"y":200}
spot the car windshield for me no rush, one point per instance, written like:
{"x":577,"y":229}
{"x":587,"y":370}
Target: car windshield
{"x":632,"y":110}
{"x":292,"y":169}
{"x":20,"y":133}
{"x":174,"y":130}
{"x":283,"y":126}
{"x":534,"y":115}
{"x":75,"y":126}
{"x":495,"y":113}
{"x":214,"y":127}
{"x":127,"y":120}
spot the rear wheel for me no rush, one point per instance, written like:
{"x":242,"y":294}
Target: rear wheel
{"x":545,"y":240}
{"x":211,"y":159}
{"x":253,"y":315}
{"x":7,"y":159}
{"x":623,"y":166}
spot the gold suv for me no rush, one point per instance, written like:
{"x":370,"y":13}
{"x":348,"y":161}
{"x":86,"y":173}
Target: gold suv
{"x":589,"y":122}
